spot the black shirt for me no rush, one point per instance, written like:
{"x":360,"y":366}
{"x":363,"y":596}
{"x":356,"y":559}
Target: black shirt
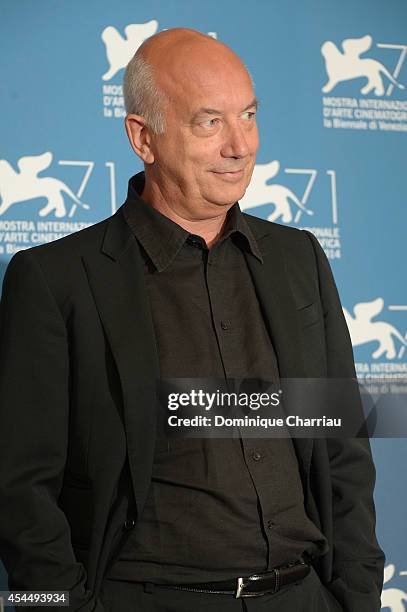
{"x":217,"y":508}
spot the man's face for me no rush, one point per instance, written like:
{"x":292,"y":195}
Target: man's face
{"x":206,"y":156}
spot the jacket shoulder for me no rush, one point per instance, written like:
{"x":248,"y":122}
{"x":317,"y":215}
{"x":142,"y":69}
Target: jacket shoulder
{"x":287,"y":236}
{"x":87,"y":241}
{"x":76,"y":243}
{"x":60,"y":262}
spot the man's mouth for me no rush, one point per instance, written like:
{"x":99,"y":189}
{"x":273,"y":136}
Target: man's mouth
{"x":229,"y":174}
{"x":235,"y":171}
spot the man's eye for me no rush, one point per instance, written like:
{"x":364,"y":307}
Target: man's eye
{"x":249,"y":115}
{"x":209,"y":123}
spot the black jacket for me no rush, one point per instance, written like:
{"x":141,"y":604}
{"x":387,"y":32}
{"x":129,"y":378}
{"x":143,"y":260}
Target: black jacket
{"x":78,"y":365}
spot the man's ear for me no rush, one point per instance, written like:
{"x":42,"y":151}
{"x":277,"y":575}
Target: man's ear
{"x":139,"y":137}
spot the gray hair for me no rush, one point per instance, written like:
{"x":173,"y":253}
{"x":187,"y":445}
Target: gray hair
{"x":141,"y":94}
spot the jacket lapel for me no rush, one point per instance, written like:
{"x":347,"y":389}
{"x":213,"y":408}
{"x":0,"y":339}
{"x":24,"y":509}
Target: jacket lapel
{"x":272,"y":284}
{"x":116,"y":277}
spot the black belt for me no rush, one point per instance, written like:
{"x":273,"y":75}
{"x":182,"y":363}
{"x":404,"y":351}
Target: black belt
{"x":250,"y":586}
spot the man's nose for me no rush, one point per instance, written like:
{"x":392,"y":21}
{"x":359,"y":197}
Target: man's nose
{"x":235,"y":143}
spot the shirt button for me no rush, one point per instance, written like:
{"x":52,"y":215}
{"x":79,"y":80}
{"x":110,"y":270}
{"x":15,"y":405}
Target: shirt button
{"x":195,"y":242}
{"x":270,"y":524}
{"x":256,"y":456}
{"x":225,"y":324}
{"x":129,"y":524}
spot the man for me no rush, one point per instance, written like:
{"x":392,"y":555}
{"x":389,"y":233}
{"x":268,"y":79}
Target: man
{"x":178,"y":284}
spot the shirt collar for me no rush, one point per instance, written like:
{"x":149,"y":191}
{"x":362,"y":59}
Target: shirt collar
{"x":162,"y":238}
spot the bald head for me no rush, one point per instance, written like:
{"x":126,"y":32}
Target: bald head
{"x":165,"y":62}
{"x":192,"y":121}
{"x":183,"y":46}
{"x":168,"y":40}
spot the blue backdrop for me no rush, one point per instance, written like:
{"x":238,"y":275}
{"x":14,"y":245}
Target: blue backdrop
{"x":331,"y":77}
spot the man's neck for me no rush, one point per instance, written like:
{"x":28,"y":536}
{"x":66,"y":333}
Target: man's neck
{"x":210,"y":229}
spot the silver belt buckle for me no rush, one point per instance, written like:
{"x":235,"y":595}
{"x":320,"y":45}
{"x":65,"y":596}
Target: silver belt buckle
{"x":241,"y":584}
{"x":240,"y":587}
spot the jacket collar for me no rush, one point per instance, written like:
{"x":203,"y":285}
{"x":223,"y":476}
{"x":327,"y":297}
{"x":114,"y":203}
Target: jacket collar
{"x":153,"y":229}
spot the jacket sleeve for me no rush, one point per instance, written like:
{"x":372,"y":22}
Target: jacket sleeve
{"x":358,"y":561}
{"x":35,"y":543}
